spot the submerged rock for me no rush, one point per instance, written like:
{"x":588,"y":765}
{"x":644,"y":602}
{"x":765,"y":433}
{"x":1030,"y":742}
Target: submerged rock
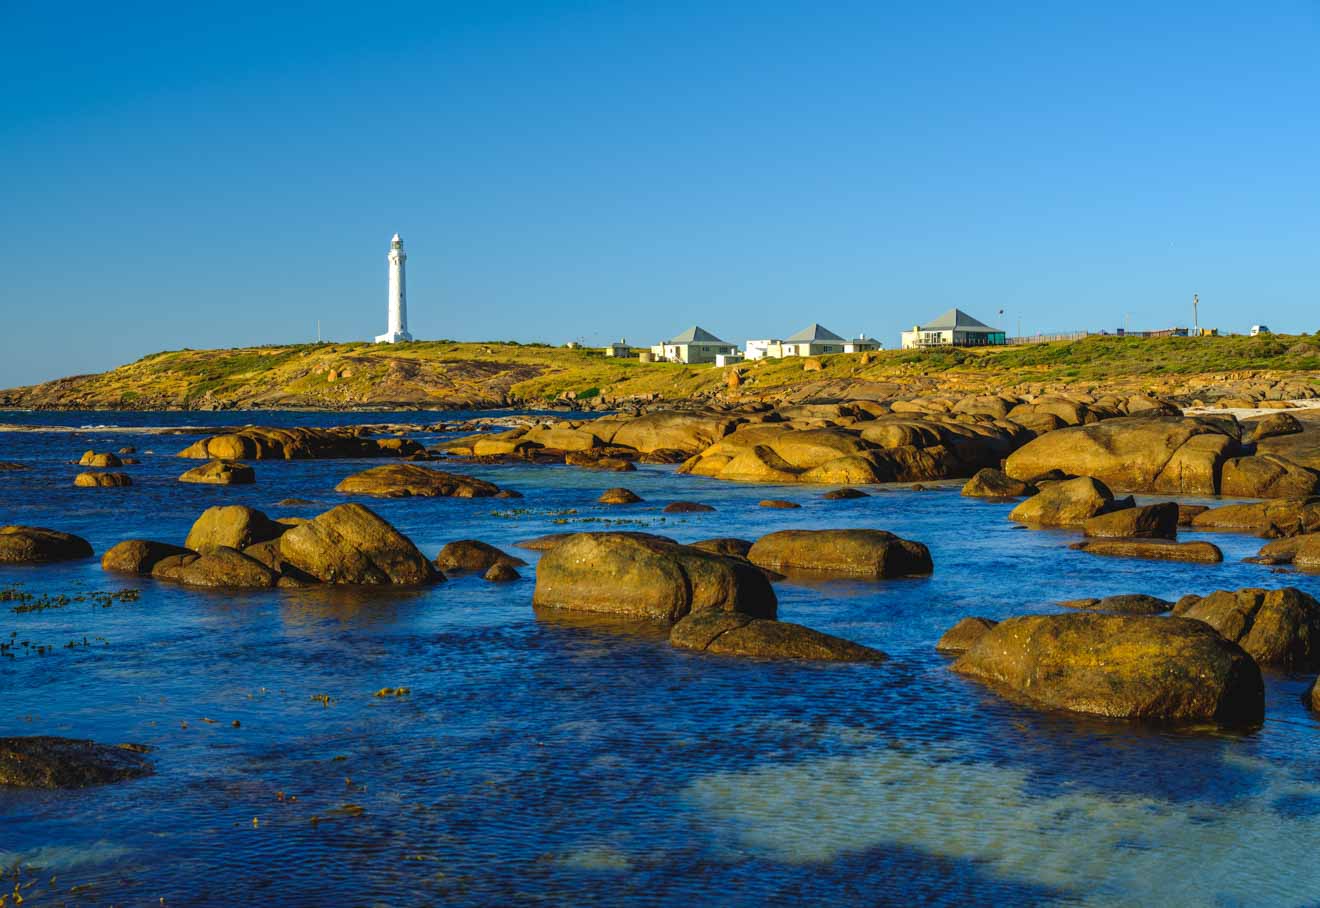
{"x":736,"y":634}
{"x":963,"y":635}
{"x":687,"y":507}
{"x":38,"y":545}
{"x":221,"y":473}
{"x":779,"y":503}
{"x":845,"y":494}
{"x":634,"y":575}
{"x":1122,"y":666}
{"x":501,"y":573}
{"x":1124,"y":604}
{"x":102,"y":480}
{"x":1279,"y":628}
{"x":1156,"y":549}
{"x":234,"y":526}
{"x":473,"y":555}
{"x":403,"y":480}
{"x":869,"y":554}
{"x":351,"y":544}
{"x":619,"y":496}
{"x":42,"y":761}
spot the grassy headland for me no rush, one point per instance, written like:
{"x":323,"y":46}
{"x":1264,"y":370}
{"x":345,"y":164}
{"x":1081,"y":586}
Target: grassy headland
{"x":450,"y":375}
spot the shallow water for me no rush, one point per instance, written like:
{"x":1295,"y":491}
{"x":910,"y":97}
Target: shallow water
{"x":542,"y":762}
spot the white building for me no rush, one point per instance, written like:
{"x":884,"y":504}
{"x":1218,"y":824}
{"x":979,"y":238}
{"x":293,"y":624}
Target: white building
{"x":619,"y":349}
{"x":398,"y":301}
{"x":813,"y":340}
{"x":954,"y":328}
{"x":695,"y":345}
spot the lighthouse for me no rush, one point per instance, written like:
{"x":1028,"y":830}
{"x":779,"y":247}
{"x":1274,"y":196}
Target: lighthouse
{"x":398,"y":324}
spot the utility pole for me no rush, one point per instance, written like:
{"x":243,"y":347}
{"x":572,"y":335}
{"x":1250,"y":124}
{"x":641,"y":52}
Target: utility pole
{"x":1196,"y":315}
{"x":318,"y":330}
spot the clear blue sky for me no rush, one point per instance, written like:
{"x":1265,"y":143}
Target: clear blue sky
{"x":179,"y":176}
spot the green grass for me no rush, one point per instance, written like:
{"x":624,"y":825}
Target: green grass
{"x":535,"y":373}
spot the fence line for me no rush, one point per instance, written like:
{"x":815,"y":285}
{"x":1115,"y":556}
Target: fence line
{"x":1078,"y":335}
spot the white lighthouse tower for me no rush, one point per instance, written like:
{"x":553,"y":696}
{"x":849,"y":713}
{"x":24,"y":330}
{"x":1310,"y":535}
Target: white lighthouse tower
{"x":398,"y":325}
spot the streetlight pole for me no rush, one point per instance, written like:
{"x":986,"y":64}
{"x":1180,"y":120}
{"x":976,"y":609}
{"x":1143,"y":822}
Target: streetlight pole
{"x":1196,"y":315}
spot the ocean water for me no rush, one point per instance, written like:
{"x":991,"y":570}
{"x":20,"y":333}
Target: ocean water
{"x":547,"y":762}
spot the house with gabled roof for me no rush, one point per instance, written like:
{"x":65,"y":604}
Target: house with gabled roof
{"x":954,"y":328}
{"x":813,"y":340}
{"x":695,"y":345}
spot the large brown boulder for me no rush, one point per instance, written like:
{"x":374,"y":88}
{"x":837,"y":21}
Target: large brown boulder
{"x":91,"y":480}
{"x":217,"y":568}
{"x":1156,"y":549}
{"x":1267,"y":476}
{"x":351,"y":544}
{"x":473,"y":555}
{"x":234,"y":526}
{"x":736,"y":634}
{"x":38,"y":545}
{"x":868,"y":554}
{"x":220,"y":473}
{"x":1279,"y":628}
{"x":139,"y":556}
{"x":1067,"y":503}
{"x":640,"y":576}
{"x":1122,"y":666}
{"x":1135,"y":454}
{"x":42,"y":761}
{"x":402,"y":480}
{"x":1152,"y":521}
{"x":668,"y":430}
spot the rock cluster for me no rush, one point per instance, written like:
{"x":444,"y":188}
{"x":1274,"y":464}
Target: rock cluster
{"x":241,"y":548}
{"x":404,"y":480}
{"x":258,"y":443}
{"x":1165,"y":454}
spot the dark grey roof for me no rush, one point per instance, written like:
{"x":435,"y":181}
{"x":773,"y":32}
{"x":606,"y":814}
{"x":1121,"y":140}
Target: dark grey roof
{"x":956,"y":318}
{"x":814,"y":333}
{"x":696,"y":335}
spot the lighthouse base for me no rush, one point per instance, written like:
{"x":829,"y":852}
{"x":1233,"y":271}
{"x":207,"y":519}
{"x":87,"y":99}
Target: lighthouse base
{"x":393,"y":337}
